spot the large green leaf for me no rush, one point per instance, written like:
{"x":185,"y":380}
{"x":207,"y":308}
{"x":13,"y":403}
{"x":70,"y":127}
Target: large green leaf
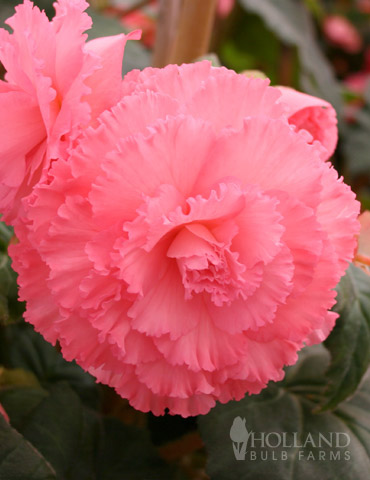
{"x":19,"y":460}
{"x":79,"y":443}
{"x":291,"y":22}
{"x":55,"y":422}
{"x":349,"y":342}
{"x":286,"y":411}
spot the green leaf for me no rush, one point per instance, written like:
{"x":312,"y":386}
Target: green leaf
{"x":349,"y":342}
{"x":19,"y":460}
{"x":127,"y":454}
{"x":55,"y":422}
{"x":286,"y":412}
{"x":78,"y":443}
{"x":291,"y":22}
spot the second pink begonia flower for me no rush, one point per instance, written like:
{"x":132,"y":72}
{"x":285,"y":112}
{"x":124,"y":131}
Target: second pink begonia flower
{"x":56,"y":85}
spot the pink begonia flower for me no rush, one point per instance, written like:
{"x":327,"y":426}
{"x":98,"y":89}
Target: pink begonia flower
{"x":314,"y":115}
{"x":190,"y":245}
{"x":3,"y":413}
{"x":56,"y":85}
{"x":340,"y":32}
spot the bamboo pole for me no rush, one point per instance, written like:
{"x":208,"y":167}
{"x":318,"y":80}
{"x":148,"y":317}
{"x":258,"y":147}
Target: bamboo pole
{"x":184,"y":30}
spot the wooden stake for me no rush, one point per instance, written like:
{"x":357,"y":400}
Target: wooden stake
{"x":184,"y":30}
{"x":169,"y":14}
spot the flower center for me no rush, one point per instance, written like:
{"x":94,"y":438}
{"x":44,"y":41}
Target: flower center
{"x":207,"y":265}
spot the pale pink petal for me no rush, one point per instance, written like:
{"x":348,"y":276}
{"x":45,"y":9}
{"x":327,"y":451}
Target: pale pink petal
{"x":206,"y":347}
{"x":106,"y":82}
{"x":173,"y":381}
{"x":165,"y":300}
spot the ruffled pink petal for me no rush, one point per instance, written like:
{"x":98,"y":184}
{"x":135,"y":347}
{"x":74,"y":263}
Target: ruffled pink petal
{"x":308,"y":311}
{"x":256,"y":151}
{"x":259,"y":215}
{"x":140,"y":348}
{"x":163,"y":157}
{"x":112,"y":323}
{"x":261,"y":306}
{"x":177,"y":82}
{"x":302,"y":235}
{"x":321,"y":334}
{"x":67,"y":271}
{"x":206,"y":347}
{"x":42,"y":311}
{"x":241,"y":97}
{"x":173,"y":381}
{"x":265,"y":362}
{"x":69,"y":24}
{"x":28,"y":51}
{"x":337,"y":213}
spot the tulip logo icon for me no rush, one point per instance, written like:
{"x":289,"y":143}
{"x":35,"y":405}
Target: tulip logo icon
{"x":239,"y":436}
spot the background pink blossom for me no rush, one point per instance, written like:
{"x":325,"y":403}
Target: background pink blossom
{"x":340,"y":32}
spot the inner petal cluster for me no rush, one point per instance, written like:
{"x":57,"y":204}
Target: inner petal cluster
{"x":207,"y":265}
